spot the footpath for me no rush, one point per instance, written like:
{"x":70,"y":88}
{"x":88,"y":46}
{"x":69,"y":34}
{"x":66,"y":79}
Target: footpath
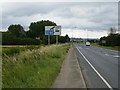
{"x":70,"y":75}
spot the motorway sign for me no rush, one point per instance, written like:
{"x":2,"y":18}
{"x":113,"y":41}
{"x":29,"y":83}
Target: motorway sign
{"x":49,"y":32}
{"x":52,"y":30}
{"x":57,"y":30}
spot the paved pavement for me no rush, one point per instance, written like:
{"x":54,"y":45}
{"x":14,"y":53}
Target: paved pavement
{"x":104,"y":61}
{"x":70,"y":75}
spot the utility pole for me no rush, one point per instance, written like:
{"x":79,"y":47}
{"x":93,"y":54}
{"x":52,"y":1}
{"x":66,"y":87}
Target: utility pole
{"x":87,"y":34}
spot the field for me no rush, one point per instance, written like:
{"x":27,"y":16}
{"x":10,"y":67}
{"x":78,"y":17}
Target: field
{"x":32,"y":67}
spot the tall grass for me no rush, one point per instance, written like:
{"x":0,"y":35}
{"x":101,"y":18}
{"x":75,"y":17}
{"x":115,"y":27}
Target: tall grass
{"x":35,"y":68}
{"x":11,"y":50}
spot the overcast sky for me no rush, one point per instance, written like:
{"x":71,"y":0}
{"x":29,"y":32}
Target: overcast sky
{"x":76,"y":18}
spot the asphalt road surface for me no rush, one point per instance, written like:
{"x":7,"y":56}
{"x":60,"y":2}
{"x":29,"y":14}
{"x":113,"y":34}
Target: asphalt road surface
{"x":99,"y":66}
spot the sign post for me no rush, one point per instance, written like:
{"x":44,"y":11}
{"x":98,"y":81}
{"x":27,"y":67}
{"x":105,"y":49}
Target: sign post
{"x":48,"y":39}
{"x":49,"y":30}
{"x":52,"y":30}
{"x":56,"y":39}
{"x":57,"y":32}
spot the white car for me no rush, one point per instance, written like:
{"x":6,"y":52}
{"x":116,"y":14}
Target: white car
{"x":87,"y":43}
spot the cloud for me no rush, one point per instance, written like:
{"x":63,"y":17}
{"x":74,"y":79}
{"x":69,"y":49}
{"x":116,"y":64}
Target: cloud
{"x":60,"y":1}
{"x":92,"y":16}
{"x":81,"y":33}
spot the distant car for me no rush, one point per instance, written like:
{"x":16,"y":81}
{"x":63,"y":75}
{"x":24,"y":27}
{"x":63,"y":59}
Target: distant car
{"x":87,"y":43}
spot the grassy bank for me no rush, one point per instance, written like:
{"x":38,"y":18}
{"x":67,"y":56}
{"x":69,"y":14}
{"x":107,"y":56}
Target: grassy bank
{"x":35,"y":68}
{"x":108,"y":47}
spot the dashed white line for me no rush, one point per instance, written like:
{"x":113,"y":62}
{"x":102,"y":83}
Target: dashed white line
{"x":116,"y":56}
{"x":113,"y":51}
{"x":109,"y":86}
{"x":107,"y":54}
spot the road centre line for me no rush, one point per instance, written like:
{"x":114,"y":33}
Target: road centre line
{"x":108,"y":85}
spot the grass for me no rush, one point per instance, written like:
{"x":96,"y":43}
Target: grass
{"x":15,"y":49}
{"x":35,"y":68}
{"x":108,"y":47}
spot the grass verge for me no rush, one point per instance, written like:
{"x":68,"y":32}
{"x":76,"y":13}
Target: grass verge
{"x":12,"y":49}
{"x":35,"y":68}
{"x":108,"y":47}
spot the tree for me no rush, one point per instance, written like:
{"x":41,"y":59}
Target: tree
{"x":17,"y":30}
{"x":7,"y":38}
{"x":111,"y":40}
{"x":30,"y":34}
{"x":36,"y":34}
{"x":37,"y":29}
{"x":103,"y":41}
{"x":112,"y":31}
{"x":67,"y":38}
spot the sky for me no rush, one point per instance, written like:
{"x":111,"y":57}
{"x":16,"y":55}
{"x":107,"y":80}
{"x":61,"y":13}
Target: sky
{"x":78,"y":19}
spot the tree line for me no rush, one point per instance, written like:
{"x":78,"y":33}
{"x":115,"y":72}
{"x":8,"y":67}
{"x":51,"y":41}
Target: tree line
{"x":16,"y":35}
{"x":113,"y":38}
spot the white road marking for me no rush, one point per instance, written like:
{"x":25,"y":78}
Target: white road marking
{"x":107,"y":54}
{"x":116,"y":56}
{"x":96,"y":71}
{"x":113,"y":51}
{"x":112,"y":55}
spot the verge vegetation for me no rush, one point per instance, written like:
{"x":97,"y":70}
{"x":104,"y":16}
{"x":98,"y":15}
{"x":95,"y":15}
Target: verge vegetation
{"x":36,"y":68}
{"x":15,"y":49}
{"x":108,"y":47}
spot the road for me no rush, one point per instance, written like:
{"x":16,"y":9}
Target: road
{"x":101,"y":69}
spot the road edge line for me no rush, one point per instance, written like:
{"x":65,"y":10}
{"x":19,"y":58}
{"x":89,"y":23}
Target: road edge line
{"x":80,"y":71}
{"x":96,"y":71}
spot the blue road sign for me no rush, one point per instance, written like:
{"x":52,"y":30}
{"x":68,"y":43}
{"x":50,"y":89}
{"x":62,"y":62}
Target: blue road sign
{"x":49,"y":32}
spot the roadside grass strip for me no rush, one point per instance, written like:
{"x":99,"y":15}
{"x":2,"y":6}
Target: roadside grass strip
{"x":35,"y":68}
{"x":108,"y":47}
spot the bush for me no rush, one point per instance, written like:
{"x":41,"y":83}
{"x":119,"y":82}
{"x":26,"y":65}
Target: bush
{"x":20,"y":41}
